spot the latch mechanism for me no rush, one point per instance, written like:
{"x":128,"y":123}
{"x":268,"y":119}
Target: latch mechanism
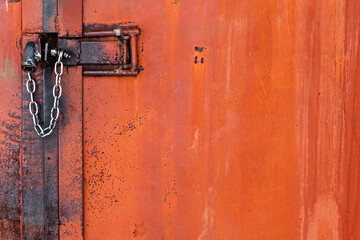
{"x":98,"y":56}
{"x":101,"y":53}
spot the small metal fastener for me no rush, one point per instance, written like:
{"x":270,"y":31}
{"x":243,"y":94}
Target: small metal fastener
{"x":117,"y":32}
{"x":54,"y":53}
{"x":37,"y":56}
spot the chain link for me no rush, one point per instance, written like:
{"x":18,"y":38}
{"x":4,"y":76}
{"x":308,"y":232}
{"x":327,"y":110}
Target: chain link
{"x":57,"y":91}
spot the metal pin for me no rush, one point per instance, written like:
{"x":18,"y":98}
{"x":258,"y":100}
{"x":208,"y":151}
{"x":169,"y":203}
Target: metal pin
{"x":55,"y":53}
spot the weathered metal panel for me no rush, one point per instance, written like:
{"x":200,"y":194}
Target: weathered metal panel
{"x":33,"y":205}
{"x":50,"y":13}
{"x":71,"y":156}
{"x":243,"y":124}
{"x":103,"y":53}
{"x":10,"y":121}
{"x":51,"y":158}
{"x":32,"y":16}
{"x":40,"y":198}
{"x":70,"y":18}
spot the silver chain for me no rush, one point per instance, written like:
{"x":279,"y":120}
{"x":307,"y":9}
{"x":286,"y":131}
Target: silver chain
{"x":57,"y":91}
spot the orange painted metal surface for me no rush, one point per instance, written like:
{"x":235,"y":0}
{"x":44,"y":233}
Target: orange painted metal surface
{"x":32,"y":16}
{"x":255,"y":137}
{"x":71,"y":156}
{"x":10,"y":121}
{"x":244,"y":123}
{"x":70,"y":18}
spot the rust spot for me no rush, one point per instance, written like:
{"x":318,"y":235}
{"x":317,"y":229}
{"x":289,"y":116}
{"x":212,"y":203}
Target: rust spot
{"x":199,"y":49}
{"x":97,"y":26}
{"x":10,"y":177}
{"x":131,"y":125}
{"x":175,"y":1}
{"x":139,"y":230}
{"x":171,"y":194}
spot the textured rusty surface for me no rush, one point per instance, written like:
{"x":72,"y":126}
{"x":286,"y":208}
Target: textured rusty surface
{"x":51,"y":157}
{"x":33,"y":205}
{"x":50,"y":12}
{"x":70,"y":18}
{"x":32,"y":16}
{"x":39,"y":165}
{"x":71,"y":156}
{"x":243,"y":124}
{"x":40,"y":179}
{"x":103,"y":53}
{"x":10,"y":121}
{"x":72,"y":47}
{"x":63,"y":17}
{"x":39,"y":161}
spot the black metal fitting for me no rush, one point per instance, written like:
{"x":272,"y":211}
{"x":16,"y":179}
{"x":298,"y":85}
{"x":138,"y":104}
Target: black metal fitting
{"x":29,"y":63}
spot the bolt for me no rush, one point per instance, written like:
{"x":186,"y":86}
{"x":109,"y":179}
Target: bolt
{"x":55,"y":52}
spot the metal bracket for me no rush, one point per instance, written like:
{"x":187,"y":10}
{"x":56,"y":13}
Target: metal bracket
{"x":101,"y":53}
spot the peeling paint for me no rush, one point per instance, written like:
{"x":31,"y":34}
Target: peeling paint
{"x":208,"y":215}
{"x":324,"y":220}
{"x":139,"y":230}
{"x":195,"y":139}
{"x":4,"y":5}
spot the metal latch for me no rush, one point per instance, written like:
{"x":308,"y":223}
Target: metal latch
{"x":101,"y":53}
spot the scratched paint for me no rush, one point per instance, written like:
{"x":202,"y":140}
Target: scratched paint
{"x":4,"y":5}
{"x":236,"y":120}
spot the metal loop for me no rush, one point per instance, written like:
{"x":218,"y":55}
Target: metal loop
{"x":31,"y":106}
{"x":57,"y":113}
{"x":61,"y":64}
{"x":57,"y":79}
{"x":61,"y":53}
{"x":58,"y":89}
{"x":47,"y":132}
{"x":33,"y":85}
{"x":52,"y":123}
{"x":61,"y":68}
{"x":35,"y":119}
{"x":56,"y":102}
{"x":39,"y":130}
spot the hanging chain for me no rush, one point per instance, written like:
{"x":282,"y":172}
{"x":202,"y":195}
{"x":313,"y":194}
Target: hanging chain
{"x":57,"y":91}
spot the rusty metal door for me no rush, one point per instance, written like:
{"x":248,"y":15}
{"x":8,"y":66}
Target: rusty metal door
{"x":238,"y":120}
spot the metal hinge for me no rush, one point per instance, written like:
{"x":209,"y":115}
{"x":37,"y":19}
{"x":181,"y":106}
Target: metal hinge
{"x":101,"y":53}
